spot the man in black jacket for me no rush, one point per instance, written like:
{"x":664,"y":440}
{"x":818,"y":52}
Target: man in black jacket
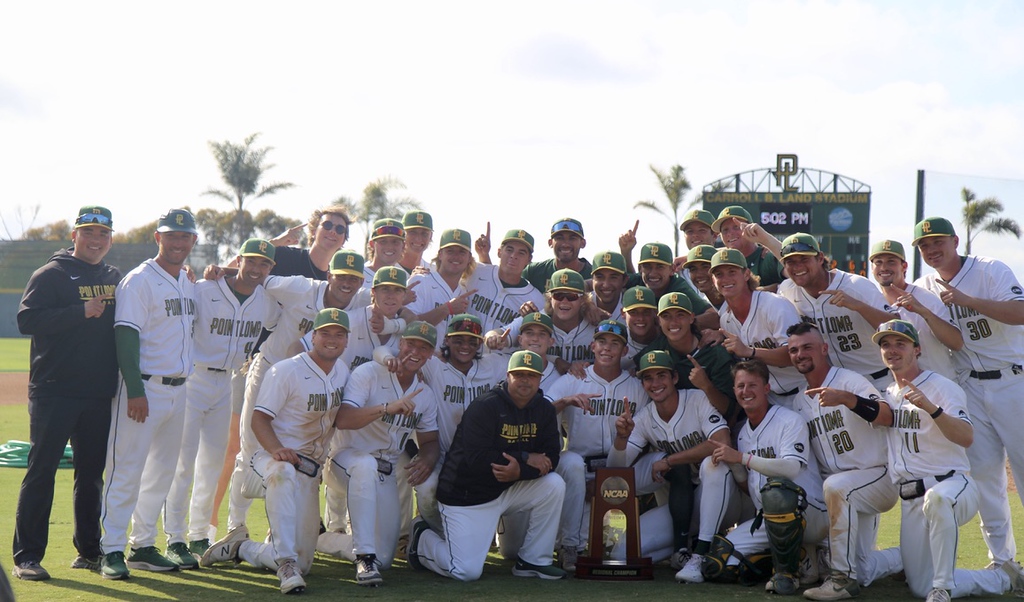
{"x":502,"y":460}
{"x":68,"y":310}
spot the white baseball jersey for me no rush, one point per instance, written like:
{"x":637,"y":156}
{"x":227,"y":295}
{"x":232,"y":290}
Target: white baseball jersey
{"x":162,"y":309}
{"x":571,"y":346}
{"x":454,"y":391}
{"x":227,"y":330}
{"x":372,"y":385}
{"x":300,"y":299}
{"x":303,"y":402}
{"x":781,"y":434}
{"x":495,"y":304}
{"x":934,"y":355}
{"x":917,"y":448}
{"x":765,"y":328}
{"x":432,"y":292}
{"x":988,"y":343}
{"x":362,"y":340}
{"x":693,"y":422}
{"x":842,"y":440}
{"x":847,"y":333}
{"x":592,"y":433}
{"x":547,"y":380}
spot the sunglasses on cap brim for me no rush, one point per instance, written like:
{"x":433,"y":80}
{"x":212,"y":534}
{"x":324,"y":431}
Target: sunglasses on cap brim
{"x":94,"y":218}
{"x":801,"y":248}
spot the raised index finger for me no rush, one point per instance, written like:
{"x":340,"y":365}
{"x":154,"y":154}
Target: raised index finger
{"x":468,"y":294}
{"x":635,"y":227}
{"x":488,"y":235}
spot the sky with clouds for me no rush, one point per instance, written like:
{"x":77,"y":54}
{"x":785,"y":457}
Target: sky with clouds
{"x":514,"y":113}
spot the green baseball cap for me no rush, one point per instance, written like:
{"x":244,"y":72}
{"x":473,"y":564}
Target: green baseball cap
{"x":567,"y":224}
{"x":94,"y":215}
{"x":383,"y":228}
{"x":656,"y":252}
{"x":390,"y":275}
{"x":417,"y":219}
{"x":609,"y":260}
{"x":538,"y":318}
{"x":800,"y":243}
{"x":887,"y":247}
{"x":331,"y":317}
{"x":177,"y":220}
{"x":728,"y":257}
{"x":674,"y":301}
{"x":731,"y":212}
{"x":347,"y":262}
{"x":459,"y":238}
{"x":422,"y":331}
{"x":638,"y":297}
{"x":700,"y":254}
{"x":656,"y":360}
{"x":698,"y":215}
{"x":466,"y":325}
{"x":897,"y":327}
{"x":612,"y":327}
{"x":567,"y":280}
{"x":932,"y":226}
{"x":526,"y":361}
{"x":519,"y":236}
{"x":257,"y":247}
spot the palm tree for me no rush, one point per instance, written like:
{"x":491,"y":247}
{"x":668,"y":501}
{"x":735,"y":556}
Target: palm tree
{"x":675,"y":186}
{"x":241,"y":167}
{"x":981,"y":216}
{"x":376,"y":204}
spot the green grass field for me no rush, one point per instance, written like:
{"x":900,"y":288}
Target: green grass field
{"x":14,"y":355}
{"x":333,"y":578}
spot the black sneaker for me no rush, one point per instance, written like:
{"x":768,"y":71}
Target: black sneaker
{"x":412,"y":551}
{"x":30,"y":570}
{"x":525,"y":569}
{"x":89,"y":564}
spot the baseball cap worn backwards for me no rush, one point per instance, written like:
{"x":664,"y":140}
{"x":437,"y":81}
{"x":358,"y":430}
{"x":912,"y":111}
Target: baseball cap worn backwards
{"x":900,"y":328}
{"x":257,"y":247}
{"x":697,"y":215}
{"x":421,"y":331}
{"x":656,"y":252}
{"x":887,"y":247}
{"x":390,"y":275}
{"x":94,"y":215}
{"x":177,"y":220}
{"x":417,"y":219}
{"x":731,"y":212}
{"x":800,"y":243}
{"x":526,"y":361}
{"x":656,"y":360}
{"x":674,"y":301}
{"x":519,"y":236}
{"x":932,"y":226}
{"x":609,"y":260}
{"x":330,"y":317}
{"x":455,"y":237}
{"x":638,"y":297}
{"x":347,"y":262}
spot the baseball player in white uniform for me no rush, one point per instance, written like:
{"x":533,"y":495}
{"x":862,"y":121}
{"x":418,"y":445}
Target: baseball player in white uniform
{"x":772,"y":444}
{"x":569,"y":305}
{"x":374,"y":325}
{"x":754,"y":322}
{"x":387,"y":243}
{"x":419,"y":232}
{"x":380,"y":412}
{"x":153,"y":325}
{"x":588,"y":409}
{"x":501,"y":290}
{"x":677,"y":426}
{"x":940,"y":336}
{"x":230,"y":313}
{"x":985,"y":299}
{"x":846,"y":307}
{"x":928,"y":430}
{"x":292,"y":424}
{"x":440,"y":293}
{"x":852,"y":458}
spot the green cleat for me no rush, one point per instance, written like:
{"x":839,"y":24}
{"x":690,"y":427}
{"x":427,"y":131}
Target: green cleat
{"x":179,"y":554}
{"x":149,"y":558}
{"x":113,"y":567}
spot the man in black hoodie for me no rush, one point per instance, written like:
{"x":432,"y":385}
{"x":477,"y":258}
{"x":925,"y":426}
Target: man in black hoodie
{"x":502,"y":460}
{"x":68,"y":310}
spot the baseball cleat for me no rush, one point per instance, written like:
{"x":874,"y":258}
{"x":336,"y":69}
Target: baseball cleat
{"x":179,"y":554}
{"x":149,"y":558}
{"x":113,"y":567}
{"x":291,"y":579}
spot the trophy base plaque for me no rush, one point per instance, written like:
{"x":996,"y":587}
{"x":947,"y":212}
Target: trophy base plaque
{"x":633,"y":569}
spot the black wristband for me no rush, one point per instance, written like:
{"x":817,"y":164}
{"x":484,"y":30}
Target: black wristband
{"x":937,"y":413}
{"x":866,"y":408}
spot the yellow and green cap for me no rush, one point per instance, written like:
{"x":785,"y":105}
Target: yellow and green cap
{"x":456,"y":237}
{"x":466,"y":325}
{"x":257,"y":247}
{"x":700,"y":254}
{"x":347,"y":262}
{"x":94,"y":215}
{"x":177,"y":220}
{"x":731,"y":212}
{"x":567,"y":280}
{"x":609,"y":260}
{"x":538,"y":318}
{"x":698,"y":215}
{"x":887,"y":247}
{"x":800,"y":243}
{"x":386,"y":227}
{"x":526,"y":361}
{"x":674,"y":301}
{"x":567,"y":224}
{"x":656,"y":360}
{"x":612,"y":327}
{"x":728,"y":257}
{"x":330,"y":316}
{"x":656,"y":252}
{"x":422,"y":331}
{"x":519,"y":236}
{"x":417,"y":219}
{"x":639,"y":297}
{"x":932,"y":226}
{"x":390,"y":275}
{"x":899,"y":328}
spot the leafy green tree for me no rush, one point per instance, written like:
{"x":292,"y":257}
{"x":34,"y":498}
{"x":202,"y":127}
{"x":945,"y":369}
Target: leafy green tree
{"x":224,"y":228}
{"x":982,"y":216}
{"x":55,"y":231}
{"x":377,"y":204}
{"x":141,"y":235}
{"x":241,"y":167}
{"x":675,"y":185}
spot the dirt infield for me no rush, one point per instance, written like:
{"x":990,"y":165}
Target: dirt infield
{"x":13,"y":388}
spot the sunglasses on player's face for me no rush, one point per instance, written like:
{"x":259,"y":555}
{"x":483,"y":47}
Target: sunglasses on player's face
{"x":570,"y":297}
{"x":340,"y":228}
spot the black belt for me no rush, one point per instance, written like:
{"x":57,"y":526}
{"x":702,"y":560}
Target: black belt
{"x":994,"y":374}
{"x":216,"y":369}
{"x":879,"y":374}
{"x":165,"y":380}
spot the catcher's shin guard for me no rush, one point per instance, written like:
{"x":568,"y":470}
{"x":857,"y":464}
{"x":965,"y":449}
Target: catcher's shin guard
{"x":716,"y":562}
{"x":782,"y":506}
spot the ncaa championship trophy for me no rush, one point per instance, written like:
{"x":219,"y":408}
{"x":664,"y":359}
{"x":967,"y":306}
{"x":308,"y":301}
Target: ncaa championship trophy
{"x":614,"y":495}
